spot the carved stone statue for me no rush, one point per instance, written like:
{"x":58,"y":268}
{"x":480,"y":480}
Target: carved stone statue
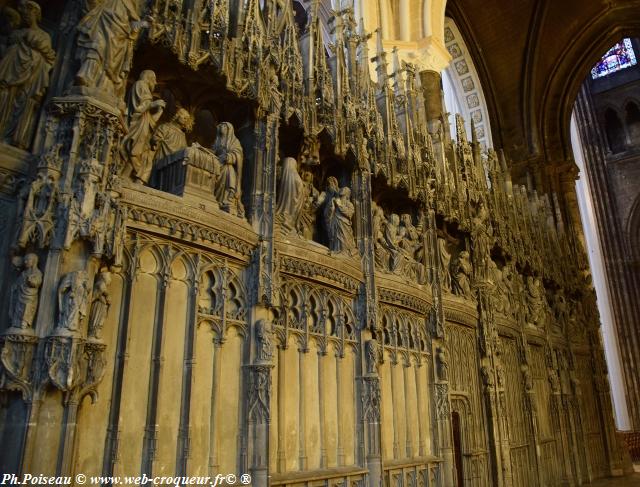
{"x":24,"y":77}
{"x":535,"y":302}
{"x":100,"y":304}
{"x":461,"y":275}
{"x":371,"y":350}
{"x":378,"y":224}
{"x":170,"y":137}
{"x":442,"y":364}
{"x":264,"y":347}
{"x":392,"y":238}
{"x":482,"y":241}
{"x":444,"y":265}
{"x":307,"y":219}
{"x":527,"y":379}
{"x":290,"y":199}
{"x":487,"y":376}
{"x":554,"y":380}
{"x":106,"y":36}
{"x":23,"y":300}
{"x":341,"y":230}
{"x":73,"y":292}
{"x":412,"y":246}
{"x":229,"y":152}
{"x":144,"y":113}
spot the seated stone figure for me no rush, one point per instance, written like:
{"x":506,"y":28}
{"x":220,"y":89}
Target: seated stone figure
{"x":461,"y":270}
{"x":170,"y":137}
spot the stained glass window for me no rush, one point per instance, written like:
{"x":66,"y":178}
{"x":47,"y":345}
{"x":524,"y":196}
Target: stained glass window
{"x":619,"y":57}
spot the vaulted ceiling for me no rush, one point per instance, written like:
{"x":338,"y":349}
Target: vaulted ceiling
{"x":532,"y":56}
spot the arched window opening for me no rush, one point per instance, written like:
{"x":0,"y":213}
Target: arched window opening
{"x":614,"y":131}
{"x":619,"y":57}
{"x":632,"y":121}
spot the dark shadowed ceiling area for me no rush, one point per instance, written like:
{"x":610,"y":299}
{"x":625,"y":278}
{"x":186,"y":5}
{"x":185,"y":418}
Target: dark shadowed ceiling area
{"x":532,"y":56}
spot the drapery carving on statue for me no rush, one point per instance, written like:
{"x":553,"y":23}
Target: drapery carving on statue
{"x":461,"y":270}
{"x":444,"y":265}
{"x":442,"y":364}
{"x":106,"y":38}
{"x":23,"y":300}
{"x":290,"y":198}
{"x":228,"y":150}
{"x":100,"y":303}
{"x":535,"y":302}
{"x":372,"y":352}
{"x":481,"y":241}
{"x":412,"y":246}
{"x":24,"y":77}
{"x":264,"y":346}
{"x":73,"y":292}
{"x":144,"y":113}
{"x":171,"y":137}
{"x":554,"y":380}
{"x":338,"y":211}
{"x":36,"y":208}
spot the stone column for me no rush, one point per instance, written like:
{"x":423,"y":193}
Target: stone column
{"x":371,"y":415}
{"x":431,"y":82}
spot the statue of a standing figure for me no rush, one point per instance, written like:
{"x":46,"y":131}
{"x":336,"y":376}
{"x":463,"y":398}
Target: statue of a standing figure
{"x":73,"y":292}
{"x":341,"y":233}
{"x":24,"y":77}
{"x":144,"y":113}
{"x":23,"y":301}
{"x":442,"y":363}
{"x":264,"y":347}
{"x":290,"y":198}
{"x":100,"y":304}
{"x":106,"y":37}
{"x":228,"y":150}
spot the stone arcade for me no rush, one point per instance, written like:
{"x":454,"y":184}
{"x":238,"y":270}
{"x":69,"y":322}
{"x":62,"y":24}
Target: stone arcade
{"x":227,"y":249}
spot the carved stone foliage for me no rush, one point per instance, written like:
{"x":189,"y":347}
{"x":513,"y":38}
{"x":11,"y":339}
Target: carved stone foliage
{"x":24,"y":76}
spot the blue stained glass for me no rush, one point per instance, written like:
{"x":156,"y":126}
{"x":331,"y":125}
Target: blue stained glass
{"x":619,"y":57}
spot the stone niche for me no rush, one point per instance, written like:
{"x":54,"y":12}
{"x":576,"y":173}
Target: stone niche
{"x":198,"y":127}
